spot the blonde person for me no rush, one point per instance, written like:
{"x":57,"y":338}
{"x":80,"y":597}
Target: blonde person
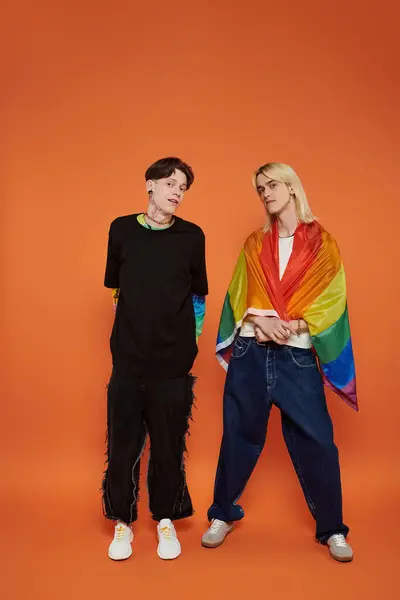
{"x":284,"y":332}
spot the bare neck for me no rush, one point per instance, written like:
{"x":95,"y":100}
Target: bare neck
{"x":287,"y":221}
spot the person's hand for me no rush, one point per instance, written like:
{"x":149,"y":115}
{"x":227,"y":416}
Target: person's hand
{"x":273,"y":329}
{"x":303,"y":326}
{"x":260,"y":336}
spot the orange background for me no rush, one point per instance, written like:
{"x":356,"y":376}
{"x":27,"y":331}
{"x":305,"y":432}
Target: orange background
{"x":93,"y":92}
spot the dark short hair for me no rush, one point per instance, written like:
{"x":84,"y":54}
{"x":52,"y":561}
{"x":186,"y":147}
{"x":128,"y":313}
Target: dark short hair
{"x":165,"y":167}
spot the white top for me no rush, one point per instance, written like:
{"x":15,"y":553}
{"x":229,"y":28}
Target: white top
{"x":298,"y":341}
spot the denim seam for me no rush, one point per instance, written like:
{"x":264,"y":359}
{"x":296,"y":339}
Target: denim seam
{"x":270,"y":364}
{"x":261,"y":449}
{"x":247,"y":480}
{"x":309,"y":500}
{"x":245,"y":351}
{"x":314,"y":364}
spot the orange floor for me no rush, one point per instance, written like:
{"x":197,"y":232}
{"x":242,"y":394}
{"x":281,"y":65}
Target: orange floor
{"x":55,"y":539}
{"x":92,"y":93}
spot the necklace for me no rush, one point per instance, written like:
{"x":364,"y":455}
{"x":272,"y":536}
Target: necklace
{"x":155,"y":220}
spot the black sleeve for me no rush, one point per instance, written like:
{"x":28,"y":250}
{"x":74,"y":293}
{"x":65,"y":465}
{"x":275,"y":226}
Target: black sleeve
{"x":198,"y":271}
{"x":111,"y":279}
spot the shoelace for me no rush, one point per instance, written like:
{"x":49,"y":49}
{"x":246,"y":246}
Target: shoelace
{"x":120,"y":532}
{"x":215,"y":526}
{"x":339,"y":540}
{"x":167,"y":533}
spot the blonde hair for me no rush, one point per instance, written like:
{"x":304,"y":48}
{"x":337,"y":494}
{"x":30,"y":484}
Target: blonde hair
{"x":285,"y":174}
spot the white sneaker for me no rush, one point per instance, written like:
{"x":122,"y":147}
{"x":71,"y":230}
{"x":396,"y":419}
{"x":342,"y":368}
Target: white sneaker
{"x":339,"y":549}
{"x":120,"y":548}
{"x":216,"y":533}
{"x":168,"y":543}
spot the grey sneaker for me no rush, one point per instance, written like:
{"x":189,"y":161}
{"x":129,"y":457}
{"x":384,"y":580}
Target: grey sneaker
{"x":339,"y":549}
{"x":216,"y":533}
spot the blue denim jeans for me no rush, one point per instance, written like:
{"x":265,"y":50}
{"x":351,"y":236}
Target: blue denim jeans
{"x":260,"y":375}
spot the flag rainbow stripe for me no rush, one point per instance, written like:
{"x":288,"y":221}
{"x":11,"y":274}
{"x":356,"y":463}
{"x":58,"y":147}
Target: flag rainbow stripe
{"x":318,"y":296}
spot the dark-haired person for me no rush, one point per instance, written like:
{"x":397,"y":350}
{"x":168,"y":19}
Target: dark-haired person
{"x":156,"y":267}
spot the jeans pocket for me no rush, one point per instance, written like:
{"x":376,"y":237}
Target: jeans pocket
{"x":302,"y":357}
{"x":241,"y":346}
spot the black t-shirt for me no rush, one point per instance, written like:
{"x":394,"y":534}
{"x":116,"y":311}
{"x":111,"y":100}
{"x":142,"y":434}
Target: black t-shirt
{"x":156,"y":271}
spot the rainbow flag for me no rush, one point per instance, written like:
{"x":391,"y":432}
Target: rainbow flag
{"x":312,"y":288}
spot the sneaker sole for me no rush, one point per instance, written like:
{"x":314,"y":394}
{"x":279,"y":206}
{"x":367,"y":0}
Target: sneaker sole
{"x":119,"y":559}
{"x":342,"y":559}
{"x":216,"y":545}
{"x":169,"y":557}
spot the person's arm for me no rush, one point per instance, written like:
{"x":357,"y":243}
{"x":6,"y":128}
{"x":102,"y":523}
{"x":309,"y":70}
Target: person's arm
{"x":115,"y":296}
{"x":300,"y":326}
{"x":297,"y":325}
{"x":111,"y":277}
{"x":271,"y":328}
{"x":199,"y":306}
{"x":198,"y":269}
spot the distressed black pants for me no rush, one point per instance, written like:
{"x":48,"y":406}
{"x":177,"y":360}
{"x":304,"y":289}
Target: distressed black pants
{"x":162,"y":408}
